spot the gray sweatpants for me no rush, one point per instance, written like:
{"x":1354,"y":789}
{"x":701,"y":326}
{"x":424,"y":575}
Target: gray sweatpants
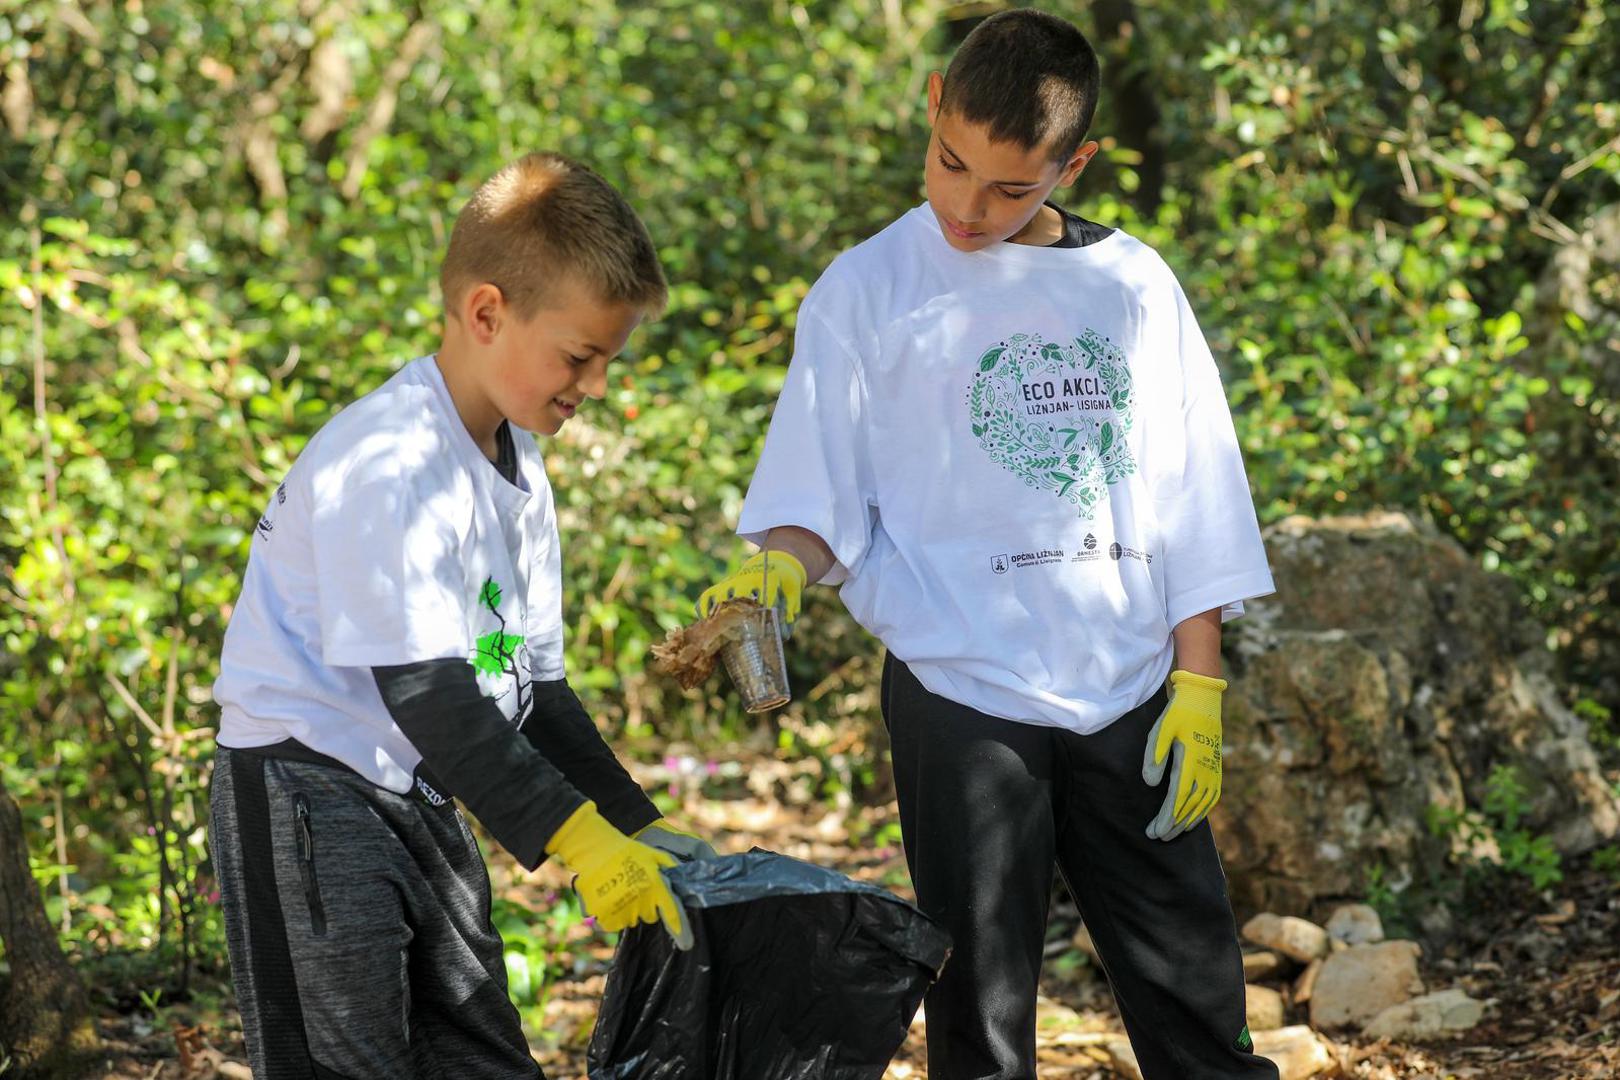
{"x":358,"y":922}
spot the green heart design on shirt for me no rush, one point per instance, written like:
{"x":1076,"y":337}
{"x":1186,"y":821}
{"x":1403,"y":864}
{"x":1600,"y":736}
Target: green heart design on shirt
{"x":1056,"y":416}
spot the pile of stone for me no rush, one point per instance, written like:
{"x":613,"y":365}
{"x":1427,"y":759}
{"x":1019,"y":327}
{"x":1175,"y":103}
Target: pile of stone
{"x":1345,"y":976}
{"x":1307,"y":983}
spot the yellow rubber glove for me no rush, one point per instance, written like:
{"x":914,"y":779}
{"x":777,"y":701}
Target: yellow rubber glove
{"x":618,"y":878}
{"x":769,"y":577}
{"x":1188,"y":732}
{"x":678,"y":842}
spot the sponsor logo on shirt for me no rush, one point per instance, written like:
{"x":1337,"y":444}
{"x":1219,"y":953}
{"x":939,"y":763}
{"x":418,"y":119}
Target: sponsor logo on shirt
{"x":1038,"y":558}
{"x":1117,"y":551}
{"x":266,"y":526}
{"x":1023,"y":559}
{"x":1087,"y":553}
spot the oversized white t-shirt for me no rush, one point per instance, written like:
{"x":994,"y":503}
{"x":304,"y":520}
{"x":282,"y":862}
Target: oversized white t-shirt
{"x":392,"y":540}
{"x":1023,"y":460}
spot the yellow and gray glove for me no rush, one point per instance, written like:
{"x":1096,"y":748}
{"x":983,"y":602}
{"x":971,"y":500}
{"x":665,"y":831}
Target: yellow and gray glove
{"x":771,"y":577}
{"x":619,"y":878}
{"x":1188,"y":732}
{"x":685,"y":846}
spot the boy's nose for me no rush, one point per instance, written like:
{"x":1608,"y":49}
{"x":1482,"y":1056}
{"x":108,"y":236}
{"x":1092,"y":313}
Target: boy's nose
{"x":593,"y":379}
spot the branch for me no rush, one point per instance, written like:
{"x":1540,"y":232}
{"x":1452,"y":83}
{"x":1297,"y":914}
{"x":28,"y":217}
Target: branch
{"x":129,"y":342}
{"x":42,"y":419}
{"x":1571,"y":171}
{"x":17,"y":99}
{"x":329,"y":78}
{"x":1541,"y":222}
{"x":1575,"y":168}
{"x":261,"y":151}
{"x":417,"y":39}
{"x":171,"y":679}
{"x":135,"y":707}
{"x":1511,"y":199}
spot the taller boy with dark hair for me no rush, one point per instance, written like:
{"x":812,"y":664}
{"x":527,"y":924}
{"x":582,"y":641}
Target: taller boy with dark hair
{"x":1004,"y":436}
{"x":399,"y":638}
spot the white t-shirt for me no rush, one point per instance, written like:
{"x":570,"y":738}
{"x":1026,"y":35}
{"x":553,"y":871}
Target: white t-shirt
{"x":1023,"y":460}
{"x":392,"y":540}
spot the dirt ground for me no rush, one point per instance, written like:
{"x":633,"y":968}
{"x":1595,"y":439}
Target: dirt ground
{"x":1550,"y":967}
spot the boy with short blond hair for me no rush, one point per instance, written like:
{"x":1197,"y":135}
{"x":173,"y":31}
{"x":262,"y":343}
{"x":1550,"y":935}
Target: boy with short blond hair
{"x":1003,"y":436}
{"x":399,"y":640}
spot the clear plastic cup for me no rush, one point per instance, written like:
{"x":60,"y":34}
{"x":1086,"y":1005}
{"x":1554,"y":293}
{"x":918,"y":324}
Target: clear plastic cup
{"x":755,"y":661}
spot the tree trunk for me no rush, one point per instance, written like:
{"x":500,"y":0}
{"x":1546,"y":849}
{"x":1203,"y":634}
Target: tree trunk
{"x":1128,"y":85}
{"x":45,"y":1021}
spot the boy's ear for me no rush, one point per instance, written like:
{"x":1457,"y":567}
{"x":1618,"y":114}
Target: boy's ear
{"x":483,"y":310}
{"x":936,"y":90}
{"x":1077,"y":162}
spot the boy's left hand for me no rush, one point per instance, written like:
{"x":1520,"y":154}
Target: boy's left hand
{"x":1190,"y":730}
{"x":685,"y":846}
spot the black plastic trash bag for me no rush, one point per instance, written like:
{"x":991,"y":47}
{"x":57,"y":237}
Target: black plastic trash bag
{"x":797,"y":973}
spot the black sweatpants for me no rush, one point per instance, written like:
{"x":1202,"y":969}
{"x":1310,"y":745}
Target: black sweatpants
{"x":358,"y":922}
{"x":987,"y":807}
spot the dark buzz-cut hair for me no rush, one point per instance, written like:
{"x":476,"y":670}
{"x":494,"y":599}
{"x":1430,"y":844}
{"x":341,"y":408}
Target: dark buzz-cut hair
{"x":546,"y":218}
{"x":1030,"y":76}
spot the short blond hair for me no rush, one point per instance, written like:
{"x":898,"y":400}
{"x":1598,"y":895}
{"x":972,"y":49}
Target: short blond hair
{"x":546,"y":217}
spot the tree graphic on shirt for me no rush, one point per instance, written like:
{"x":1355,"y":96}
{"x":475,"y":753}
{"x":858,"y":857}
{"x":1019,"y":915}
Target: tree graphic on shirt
{"x":495,"y":653}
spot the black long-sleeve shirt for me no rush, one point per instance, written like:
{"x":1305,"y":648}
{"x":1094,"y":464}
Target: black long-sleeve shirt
{"x":522,"y":783}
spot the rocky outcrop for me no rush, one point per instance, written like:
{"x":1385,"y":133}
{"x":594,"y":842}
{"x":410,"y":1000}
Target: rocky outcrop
{"x":1388,"y":674}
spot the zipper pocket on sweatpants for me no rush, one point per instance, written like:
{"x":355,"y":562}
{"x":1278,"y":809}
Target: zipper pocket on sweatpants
{"x":306,"y":864}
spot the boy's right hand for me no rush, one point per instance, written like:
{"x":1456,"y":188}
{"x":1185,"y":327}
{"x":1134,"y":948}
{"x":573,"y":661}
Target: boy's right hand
{"x":769,"y":576}
{"x":619,"y":878}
